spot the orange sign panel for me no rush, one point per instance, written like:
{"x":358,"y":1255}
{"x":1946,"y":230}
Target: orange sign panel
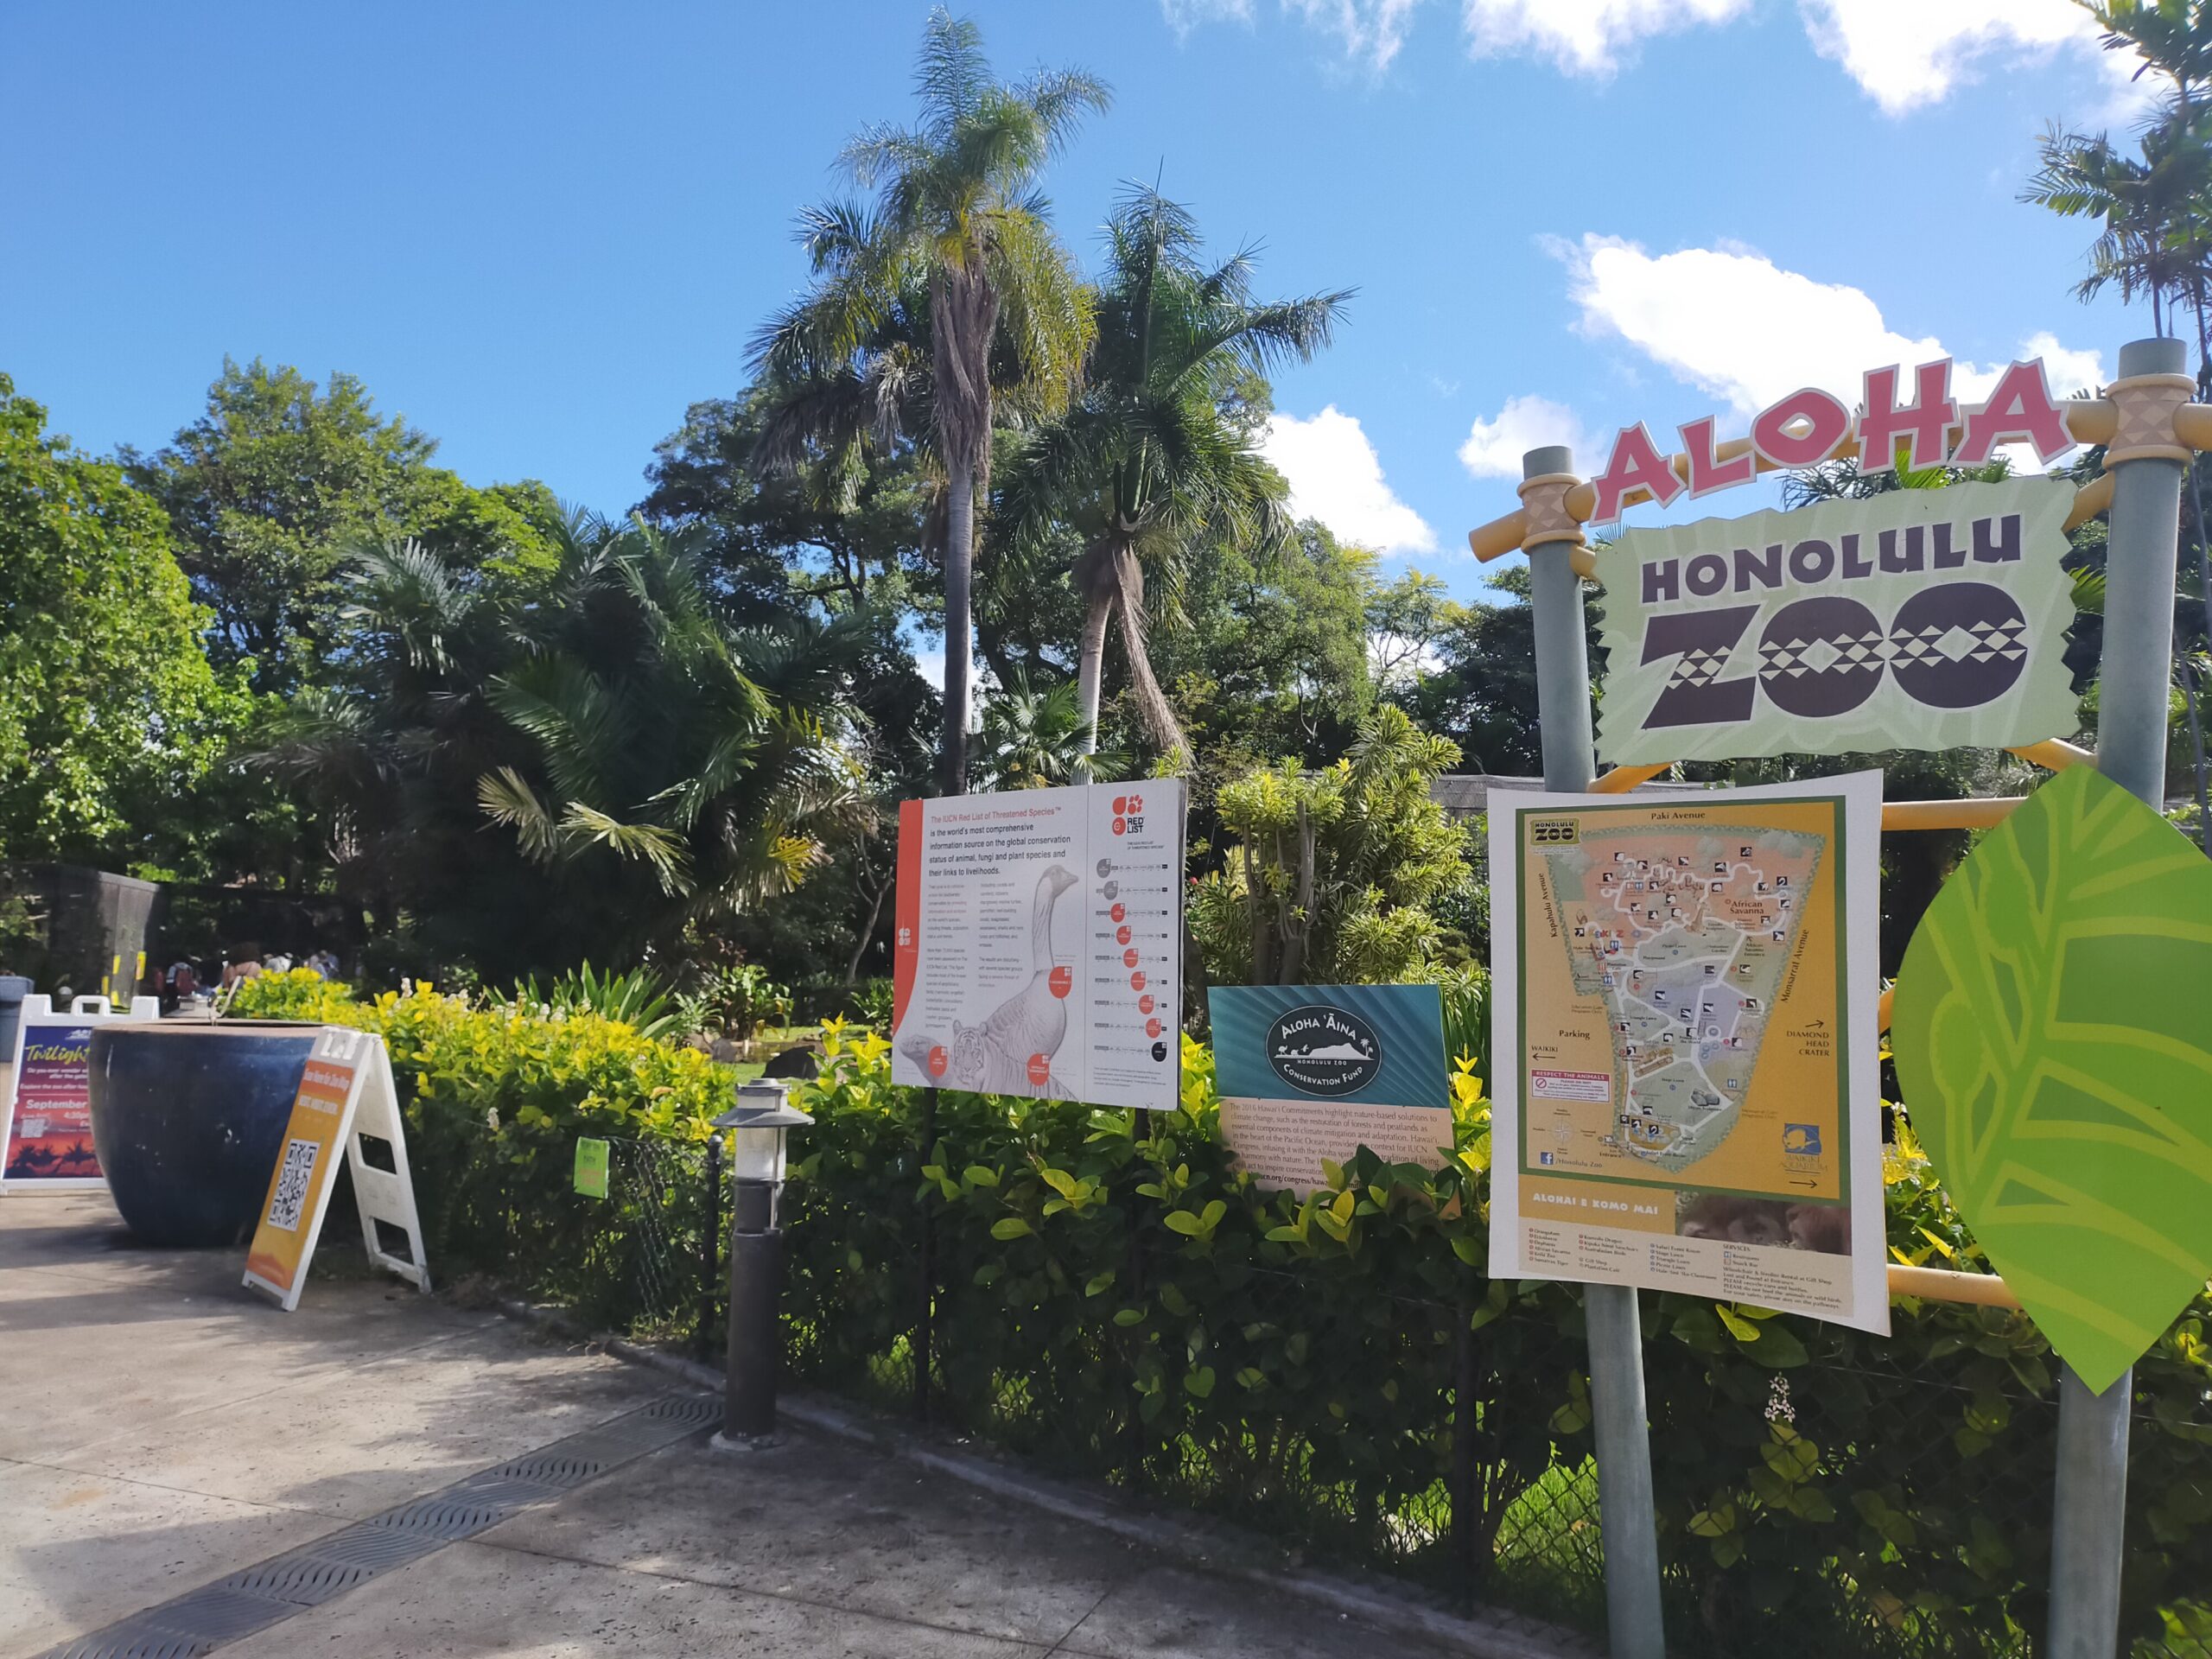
{"x":314,"y":1140}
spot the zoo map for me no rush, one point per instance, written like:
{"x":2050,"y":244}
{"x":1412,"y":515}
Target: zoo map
{"x":1667,"y":952}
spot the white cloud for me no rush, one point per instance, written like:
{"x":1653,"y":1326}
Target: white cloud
{"x":1367,"y":32}
{"x":1583,"y":37}
{"x":1336,"y":476}
{"x":1737,"y":326}
{"x":2068,"y":370}
{"x":1903,"y":53}
{"x":1907,"y":53}
{"x":1184,"y":15}
{"x":1494,"y":448}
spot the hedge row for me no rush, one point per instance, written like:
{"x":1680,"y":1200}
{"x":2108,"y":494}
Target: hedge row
{"x":1113,"y":1297}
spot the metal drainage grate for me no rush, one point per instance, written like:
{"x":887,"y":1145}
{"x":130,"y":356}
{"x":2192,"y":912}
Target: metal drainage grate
{"x":547,"y":1470}
{"x":506,"y":1491}
{"x":373,"y":1549}
{"x":445,"y":1516}
{"x":303,"y":1580}
{"x":285,"y":1586}
{"x":142,"y":1646}
{"x":220,"y":1613}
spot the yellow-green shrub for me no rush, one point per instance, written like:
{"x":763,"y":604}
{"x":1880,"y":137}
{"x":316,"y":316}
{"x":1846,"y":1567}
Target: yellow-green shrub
{"x":495,"y":1096}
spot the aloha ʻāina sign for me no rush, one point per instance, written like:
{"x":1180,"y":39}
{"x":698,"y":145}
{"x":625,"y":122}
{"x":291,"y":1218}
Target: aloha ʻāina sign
{"x":1319,"y":1050}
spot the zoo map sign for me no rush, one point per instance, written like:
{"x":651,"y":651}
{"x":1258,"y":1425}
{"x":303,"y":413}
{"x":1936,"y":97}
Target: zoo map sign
{"x":1686,"y":992}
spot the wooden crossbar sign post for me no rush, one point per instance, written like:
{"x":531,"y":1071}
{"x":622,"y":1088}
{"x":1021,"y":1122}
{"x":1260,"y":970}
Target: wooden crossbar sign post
{"x":346,"y":1099}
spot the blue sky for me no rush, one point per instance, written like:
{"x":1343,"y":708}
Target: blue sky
{"x":541,"y":230}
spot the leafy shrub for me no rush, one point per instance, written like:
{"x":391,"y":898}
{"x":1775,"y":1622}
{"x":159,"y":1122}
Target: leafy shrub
{"x":1333,"y":873}
{"x":737,"y":999}
{"x":637,"y":998}
{"x":871,"y":1001}
{"x":1114,"y":1297}
{"x":1111,"y":1296}
{"x":495,"y":1096}
{"x":296,"y":993}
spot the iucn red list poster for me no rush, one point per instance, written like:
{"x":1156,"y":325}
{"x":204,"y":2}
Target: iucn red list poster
{"x":1039,"y":943}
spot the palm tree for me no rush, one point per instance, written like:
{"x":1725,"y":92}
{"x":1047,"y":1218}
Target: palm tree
{"x":387,"y":754}
{"x":1164,"y":442}
{"x":708,"y":755}
{"x":957,"y":217}
{"x":1032,"y":738}
{"x":2156,"y":236}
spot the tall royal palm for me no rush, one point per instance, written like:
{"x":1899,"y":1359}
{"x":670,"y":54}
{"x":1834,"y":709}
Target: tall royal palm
{"x":957,"y":214}
{"x":1163,"y":443}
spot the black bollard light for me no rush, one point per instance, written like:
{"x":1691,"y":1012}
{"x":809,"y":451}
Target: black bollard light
{"x":759,"y":1123}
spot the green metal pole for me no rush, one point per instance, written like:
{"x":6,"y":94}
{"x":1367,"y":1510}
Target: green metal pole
{"x":2089,"y":1501}
{"x":1620,"y":1420}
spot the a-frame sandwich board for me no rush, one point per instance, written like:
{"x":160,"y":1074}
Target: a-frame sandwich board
{"x":346,"y":1095}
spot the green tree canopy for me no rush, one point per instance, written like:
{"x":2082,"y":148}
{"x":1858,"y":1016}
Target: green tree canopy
{"x":668,"y":742}
{"x":785,"y":522}
{"x":108,"y":707}
{"x":1265,"y":653}
{"x":1333,"y":874}
{"x":279,"y":476}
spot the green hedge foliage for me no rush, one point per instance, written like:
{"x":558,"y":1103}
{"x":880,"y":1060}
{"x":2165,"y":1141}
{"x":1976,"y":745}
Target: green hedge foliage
{"x":1115,"y":1299}
{"x":495,"y":1096}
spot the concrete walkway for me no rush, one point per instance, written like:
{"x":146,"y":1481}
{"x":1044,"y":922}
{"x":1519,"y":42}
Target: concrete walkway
{"x":160,"y":1429}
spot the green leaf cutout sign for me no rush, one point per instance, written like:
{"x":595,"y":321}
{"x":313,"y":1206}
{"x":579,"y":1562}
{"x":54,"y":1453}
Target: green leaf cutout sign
{"x":2054,"y":1047}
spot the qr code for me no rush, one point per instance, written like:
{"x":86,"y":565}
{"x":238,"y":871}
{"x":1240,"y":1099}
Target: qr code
{"x":292,"y":1186}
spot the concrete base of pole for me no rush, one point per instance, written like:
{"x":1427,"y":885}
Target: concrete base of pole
{"x":738,"y":1444}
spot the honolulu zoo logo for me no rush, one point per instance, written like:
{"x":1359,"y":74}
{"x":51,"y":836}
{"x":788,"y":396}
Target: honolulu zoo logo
{"x":1324,"y":1051}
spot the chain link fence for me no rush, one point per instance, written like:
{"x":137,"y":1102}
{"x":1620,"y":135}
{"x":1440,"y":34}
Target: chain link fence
{"x":1929,"y":1501}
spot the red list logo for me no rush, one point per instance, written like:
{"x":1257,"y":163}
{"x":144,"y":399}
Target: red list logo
{"x":1061,"y":982}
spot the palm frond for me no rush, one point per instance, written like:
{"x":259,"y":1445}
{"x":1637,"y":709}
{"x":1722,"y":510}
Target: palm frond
{"x":508,"y":799}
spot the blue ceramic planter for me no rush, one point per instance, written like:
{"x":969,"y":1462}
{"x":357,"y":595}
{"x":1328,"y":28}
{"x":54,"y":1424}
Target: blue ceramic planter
{"x":188,"y":1118}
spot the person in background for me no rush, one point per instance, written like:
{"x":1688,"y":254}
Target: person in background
{"x":248,"y":966}
{"x":325,"y":962}
{"x":277,"y":962}
{"x":180,"y":985}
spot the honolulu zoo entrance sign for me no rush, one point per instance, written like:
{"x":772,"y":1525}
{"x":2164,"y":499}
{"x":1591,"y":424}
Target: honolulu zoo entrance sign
{"x":1928,"y":619}
{"x":1915,"y":618}
{"x":1921,"y":618}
